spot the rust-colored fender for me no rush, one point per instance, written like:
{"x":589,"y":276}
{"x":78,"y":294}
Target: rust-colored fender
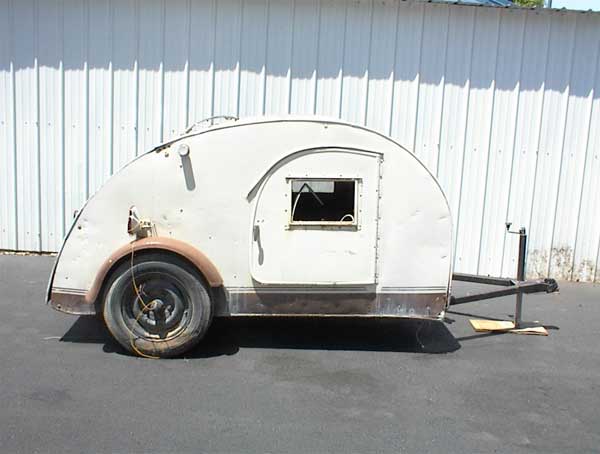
{"x":197,"y":258}
{"x":81,"y":302}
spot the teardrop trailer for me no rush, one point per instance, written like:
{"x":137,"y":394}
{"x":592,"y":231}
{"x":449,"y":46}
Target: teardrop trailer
{"x":262,"y":217}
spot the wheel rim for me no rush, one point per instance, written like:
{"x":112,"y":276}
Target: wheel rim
{"x":156,"y":306}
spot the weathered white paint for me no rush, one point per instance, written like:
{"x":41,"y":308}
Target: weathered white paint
{"x":229,"y":197}
{"x":503,"y":105}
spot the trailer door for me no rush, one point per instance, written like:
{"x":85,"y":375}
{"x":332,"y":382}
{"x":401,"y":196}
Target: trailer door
{"x":315,"y":219}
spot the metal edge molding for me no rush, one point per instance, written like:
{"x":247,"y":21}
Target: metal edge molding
{"x":309,"y":303}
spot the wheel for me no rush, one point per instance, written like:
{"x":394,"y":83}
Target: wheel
{"x":157,"y":306}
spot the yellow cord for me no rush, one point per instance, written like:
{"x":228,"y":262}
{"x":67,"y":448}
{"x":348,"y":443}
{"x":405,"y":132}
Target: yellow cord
{"x":145,"y":307}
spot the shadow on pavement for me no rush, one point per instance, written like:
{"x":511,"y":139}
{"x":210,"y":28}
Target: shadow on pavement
{"x":227,"y":335}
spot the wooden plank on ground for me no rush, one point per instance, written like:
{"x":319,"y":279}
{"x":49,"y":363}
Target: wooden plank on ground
{"x":491,"y":325}
{"x":506,"y":326}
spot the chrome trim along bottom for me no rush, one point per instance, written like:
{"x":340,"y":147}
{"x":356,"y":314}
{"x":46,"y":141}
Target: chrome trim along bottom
{"x":413,"y":305}
{"x":72,"y":302}
{"x":308,"y":303}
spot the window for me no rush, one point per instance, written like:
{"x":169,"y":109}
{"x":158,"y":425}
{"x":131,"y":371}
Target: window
{"x":323,"y":201}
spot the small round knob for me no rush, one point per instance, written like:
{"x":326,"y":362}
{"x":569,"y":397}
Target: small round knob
{"x":183,"y":150}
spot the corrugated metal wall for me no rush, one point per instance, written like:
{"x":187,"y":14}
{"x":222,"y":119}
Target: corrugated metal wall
{"x":502,"y":105}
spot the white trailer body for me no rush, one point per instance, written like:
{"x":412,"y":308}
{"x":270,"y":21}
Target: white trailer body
{"x":283,"y":216}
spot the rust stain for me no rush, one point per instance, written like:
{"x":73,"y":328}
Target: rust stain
{"x":562,"y":265}
{"x":585,"y":271}
{"x":537,"y":264}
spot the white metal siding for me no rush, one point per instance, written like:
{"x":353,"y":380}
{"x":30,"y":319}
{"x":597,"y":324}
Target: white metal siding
{"x":503,"y":105}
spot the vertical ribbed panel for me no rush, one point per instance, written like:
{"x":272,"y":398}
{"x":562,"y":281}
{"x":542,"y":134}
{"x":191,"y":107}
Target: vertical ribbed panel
{"x":587,"y":235}
{"x":305,"y":41}
{"x":75,"y":106}
{"x":356,"y":47}
{"x":525,"y":151}
{"x":25,"y":40}
{"x":549,"y":157}
{"x":505,"y":110}
{"x":381,"y":66}
{"x":430,"y":96}
{"x":8,"y":197}
{"x":201,"y":62}
{"x":100,"y":107}
{"x":227,"y":56}
{"x":125,"y":84}
{"x":176,"y":56}
{"x":332,"y":32}
{"x":452,"y":156}
{"x":502,"y":105}
{"x":252,"y":57}
{"x":51,"y":124}
{"x":480,"y":105}
{"x":574,"y":150}
{"x":150,"y":49}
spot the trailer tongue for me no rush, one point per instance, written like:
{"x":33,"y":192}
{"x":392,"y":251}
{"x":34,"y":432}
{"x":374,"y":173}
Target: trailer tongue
{"x":518,"y":286}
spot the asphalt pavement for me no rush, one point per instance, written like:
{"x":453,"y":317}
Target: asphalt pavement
{"x":302,"y":385}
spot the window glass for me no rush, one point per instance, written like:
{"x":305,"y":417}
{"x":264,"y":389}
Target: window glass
{"x":320,"y":201}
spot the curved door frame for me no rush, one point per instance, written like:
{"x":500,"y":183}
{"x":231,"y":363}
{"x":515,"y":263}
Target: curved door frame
{"x":359,"y":253}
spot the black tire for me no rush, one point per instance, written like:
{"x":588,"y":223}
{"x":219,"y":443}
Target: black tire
{"x":159,"y":307}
